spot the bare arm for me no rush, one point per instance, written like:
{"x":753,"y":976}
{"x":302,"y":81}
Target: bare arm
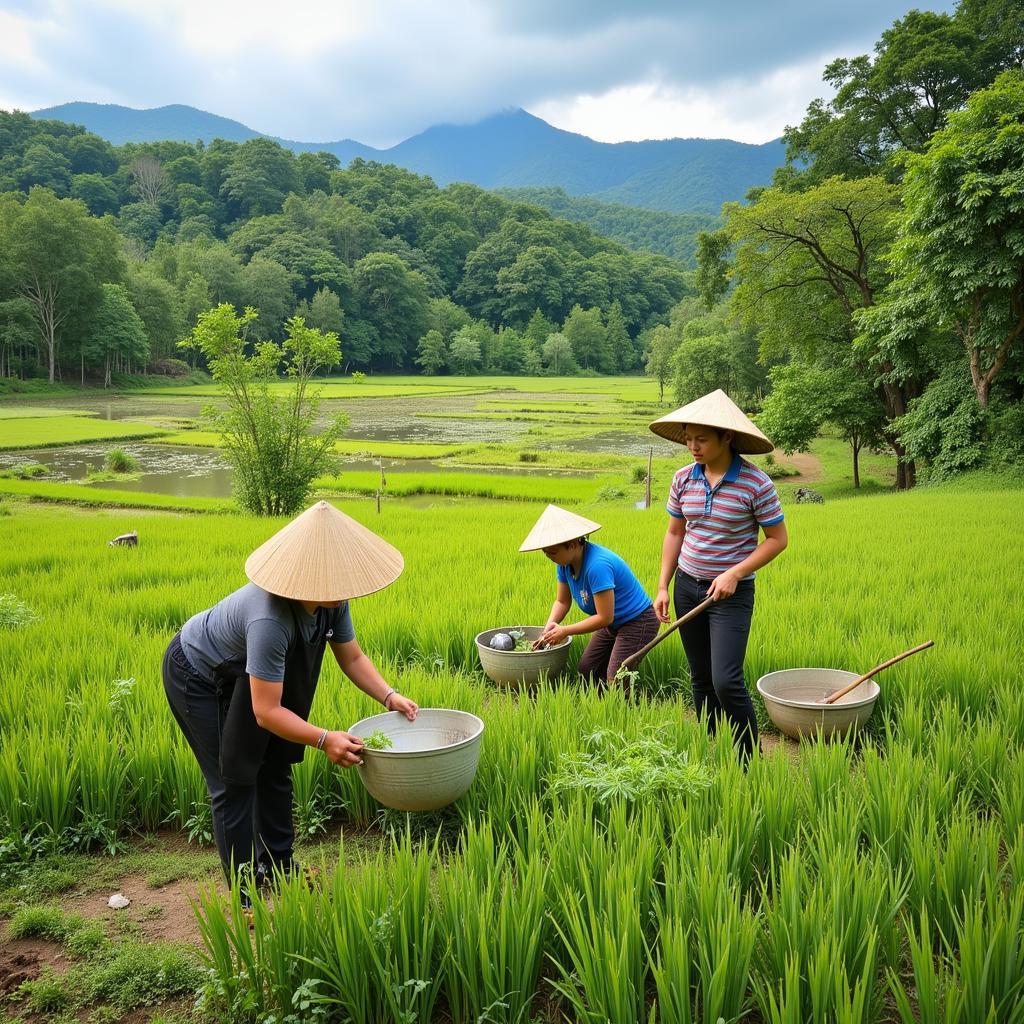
{"x":604,"y":603}
{"x":362,"y":671}
{"x":563,"y":602}
{"x":670,"y":548}
{"x":340,"y":747}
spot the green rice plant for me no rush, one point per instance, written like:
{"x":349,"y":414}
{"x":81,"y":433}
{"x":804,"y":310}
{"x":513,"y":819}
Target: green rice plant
{"x":948,"y":870}
{"x":833,"y":924}
{"x":494,"y":929}
{"x":53,"y":431}
{"x":707,"y":933}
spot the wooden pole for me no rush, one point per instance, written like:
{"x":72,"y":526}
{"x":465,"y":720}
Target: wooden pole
{"x":692,"y":614}
{"x":647,"y":496}
{"x":832,"y":698}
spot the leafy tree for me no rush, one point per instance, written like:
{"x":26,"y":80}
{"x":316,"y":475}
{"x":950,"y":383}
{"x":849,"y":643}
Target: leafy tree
{"x":961,"y":249}
{"x":323,"y":312}
{"x":622,"y":354}
{"x":96,"y":192}
{"x":445,"y":317}
{"x":116,"y":333}
{"x":464,"y":355}
{"x":432,"y":353}
{"x":807,"y":262}
{"x":539,"y":329}
{"x":258,"y":177}
{"x":712,"y":267}
{"x":558,"y":356}
{"x":663,"y":342}
{"x":589,"y":339}
{"x":56,"y":257}
{"x":44,"y":167}
{"x":266,"y":282}
{"x":157,"y":304}
{"x":533,"y":281}
{"x":804,"y":397}
{"x":269,"y":437}
{"x":394,"y":300}
{"x":924,"y":68}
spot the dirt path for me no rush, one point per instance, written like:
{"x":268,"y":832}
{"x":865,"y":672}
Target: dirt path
{"x":808,"y":464}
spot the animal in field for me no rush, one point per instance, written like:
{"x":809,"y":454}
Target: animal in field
{"x":127,"y":540}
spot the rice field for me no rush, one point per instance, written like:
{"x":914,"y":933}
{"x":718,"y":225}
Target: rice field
{"x":878,"y":879}
{"x":24,"y":432}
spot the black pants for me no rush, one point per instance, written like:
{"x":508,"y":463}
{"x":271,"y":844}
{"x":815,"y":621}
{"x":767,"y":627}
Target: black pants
{"x":252,"y":825}
{"x":716,"y":644}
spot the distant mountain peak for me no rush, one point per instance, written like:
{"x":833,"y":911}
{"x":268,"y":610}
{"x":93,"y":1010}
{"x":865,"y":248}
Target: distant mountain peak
{"x":510,"y":148}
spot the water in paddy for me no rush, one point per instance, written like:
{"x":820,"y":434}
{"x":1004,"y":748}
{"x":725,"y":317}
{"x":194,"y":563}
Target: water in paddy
{"x":198,"y":472}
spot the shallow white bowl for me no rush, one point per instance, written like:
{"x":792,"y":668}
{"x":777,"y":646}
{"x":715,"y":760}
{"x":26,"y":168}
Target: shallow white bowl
{"x":792,"y":697}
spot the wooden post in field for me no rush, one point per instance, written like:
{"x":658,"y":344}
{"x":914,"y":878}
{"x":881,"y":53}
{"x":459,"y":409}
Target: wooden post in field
{"x":647,"y":495}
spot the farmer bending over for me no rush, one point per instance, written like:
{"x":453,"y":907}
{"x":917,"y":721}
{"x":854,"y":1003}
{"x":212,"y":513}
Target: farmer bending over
{"x":240,"y":678}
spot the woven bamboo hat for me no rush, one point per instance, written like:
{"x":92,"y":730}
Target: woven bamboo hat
{"x":323,"y":555}
{"x":556,"y":526}
{"x":715,"y":410}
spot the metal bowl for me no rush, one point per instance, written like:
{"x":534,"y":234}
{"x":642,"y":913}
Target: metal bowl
{"x":431,"y":764}
{"x":792,"y":697}
{"x":521,"y":668}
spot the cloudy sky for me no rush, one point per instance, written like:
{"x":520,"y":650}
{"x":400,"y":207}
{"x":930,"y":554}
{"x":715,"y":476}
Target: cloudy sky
{"x":381,"y":70}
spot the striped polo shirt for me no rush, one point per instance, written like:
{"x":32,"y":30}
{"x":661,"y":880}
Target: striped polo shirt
{"x":721,"y":522}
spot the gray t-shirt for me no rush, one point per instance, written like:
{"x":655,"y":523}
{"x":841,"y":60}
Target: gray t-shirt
{"x":253,"y":628}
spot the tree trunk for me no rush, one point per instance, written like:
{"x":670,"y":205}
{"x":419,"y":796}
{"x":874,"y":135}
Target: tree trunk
{"x":856,"y":462}
{"x":895,"y":398}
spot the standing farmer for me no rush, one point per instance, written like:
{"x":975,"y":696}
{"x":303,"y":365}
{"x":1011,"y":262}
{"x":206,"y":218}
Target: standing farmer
{"x":716,"y":506}
{"x":240,"y":677}
{"x":619,"y":612}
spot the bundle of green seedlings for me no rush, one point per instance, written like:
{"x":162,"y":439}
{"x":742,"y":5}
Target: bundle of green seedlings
{"x":378,"y":740}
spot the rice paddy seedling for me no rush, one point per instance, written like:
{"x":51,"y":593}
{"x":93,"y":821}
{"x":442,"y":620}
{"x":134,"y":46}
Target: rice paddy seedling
{"x":378,"y":740}
{"x":50,"y":431}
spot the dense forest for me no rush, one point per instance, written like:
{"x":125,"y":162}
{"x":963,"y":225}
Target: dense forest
{"x":671,"y":234}
{"x":147,"y":236}
{"x":880,"y":279}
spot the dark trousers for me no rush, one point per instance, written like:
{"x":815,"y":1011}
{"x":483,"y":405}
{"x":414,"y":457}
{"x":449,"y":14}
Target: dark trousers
{"x":609,"y":648}
{"x":252,"y":825}
{"x":716,"y":644}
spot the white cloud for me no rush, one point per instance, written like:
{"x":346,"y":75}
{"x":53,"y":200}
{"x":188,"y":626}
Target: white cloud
{"x":752,"y":110}
{"x":380,"y":70}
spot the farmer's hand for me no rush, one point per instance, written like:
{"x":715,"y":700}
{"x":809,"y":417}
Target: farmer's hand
{"x":554,"y":634}
{"x":409,"y":708}
{"x":661,"y":604}
{"x":723,"y":586}
{"x":343,"y":748}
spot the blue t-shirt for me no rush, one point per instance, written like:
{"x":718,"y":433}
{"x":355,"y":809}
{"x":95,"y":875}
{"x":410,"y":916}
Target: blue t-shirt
{"x":604,"y":570}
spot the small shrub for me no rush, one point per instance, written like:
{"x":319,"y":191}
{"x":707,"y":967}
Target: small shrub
{"x":143,"y":975}
{"x":529,"y":457}
{"x":29,"y":470}
{"x":170,"y":367}
{"x":46,"y":994}
{"x":610,"y":492}
{"x":358,"y":376}
{"x":43,"y":923}
{"x":119,"y":461}
{"x":639,"y":474}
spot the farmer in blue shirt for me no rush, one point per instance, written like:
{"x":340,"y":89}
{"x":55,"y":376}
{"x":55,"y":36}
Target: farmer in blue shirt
{"x":619,"y":613}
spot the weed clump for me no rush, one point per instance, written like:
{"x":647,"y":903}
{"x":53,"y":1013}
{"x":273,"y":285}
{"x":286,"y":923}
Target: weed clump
{"x":14,"y":613}
{"x":614,"y":767}
{"x":119,"y":461}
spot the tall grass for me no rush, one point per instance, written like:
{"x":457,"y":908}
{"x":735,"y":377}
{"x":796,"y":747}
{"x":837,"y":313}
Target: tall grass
{"x":878,"y":875}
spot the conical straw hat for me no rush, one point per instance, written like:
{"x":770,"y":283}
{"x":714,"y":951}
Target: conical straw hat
{"x":715,"y":410}
{"x":323,"y":555}
{"x":556,"y":526}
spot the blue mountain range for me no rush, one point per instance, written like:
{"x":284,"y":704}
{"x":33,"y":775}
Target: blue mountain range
{"x":511,"y":149}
